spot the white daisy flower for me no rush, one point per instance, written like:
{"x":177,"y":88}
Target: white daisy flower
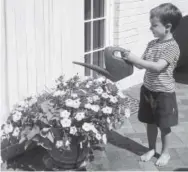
{"x":74,"y":95}
{"x":87,"y":85}
{"x":76,"y":103}
{"x":95,"y":98}
{"x":100,"y":79}
{"x":87,"y":126}
{"x":88,"y":106}
{"x":64,"y":114}
{"x":69,"y":103}
{"x":107,"y":110}
{"x":90,"y":100}
{"x":105,"y":95}
{"x":73,"y":130}
{"x":8,"y":128}
{"x":95,"y":108}
{"x":67,"y":143}
{"x":16,"y":116}
{"x":99,"y":90}
{"x":79,"y":116}
{"x":127,"y":112}
{"x":65,"y":122}
{"x":59,"y":143}
{"x":113,"y":99}
{"x":59,"y":93}
{"x":94,"y":129}
{"x":16,"y":132}
{"x":120,"y":94}
{"x":108,"y":120}
{"x":98,"y":136}
{"x":90,"y":83}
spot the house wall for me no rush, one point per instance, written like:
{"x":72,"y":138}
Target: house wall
{"x":42,"y":39}
{"x":131,"y":29}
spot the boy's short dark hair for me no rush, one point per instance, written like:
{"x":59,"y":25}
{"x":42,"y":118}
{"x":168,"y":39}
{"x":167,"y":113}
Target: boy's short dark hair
{"x":167,"y":13}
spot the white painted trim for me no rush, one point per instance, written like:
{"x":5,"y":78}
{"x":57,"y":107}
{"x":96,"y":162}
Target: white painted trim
{"x":4,"y":98}
{"x":93,"y":51}
{"x":100,"y":18}
{"x":109,"y":22}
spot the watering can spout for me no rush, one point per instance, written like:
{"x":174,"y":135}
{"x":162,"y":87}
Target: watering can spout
{"x":116,"y":68}
{"x":96,"y":68}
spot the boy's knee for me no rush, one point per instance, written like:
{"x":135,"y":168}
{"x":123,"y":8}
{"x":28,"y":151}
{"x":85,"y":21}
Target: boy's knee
{"x":165,"y":131}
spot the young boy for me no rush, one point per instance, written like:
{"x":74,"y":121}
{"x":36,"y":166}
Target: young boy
{"x":158,"y":106}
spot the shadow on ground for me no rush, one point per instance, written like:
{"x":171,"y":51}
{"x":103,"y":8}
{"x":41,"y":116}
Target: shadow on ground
{"x":181,"y":169}
{"x":120,"y":141}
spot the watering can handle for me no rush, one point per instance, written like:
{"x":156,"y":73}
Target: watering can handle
{"x":118,"y":49}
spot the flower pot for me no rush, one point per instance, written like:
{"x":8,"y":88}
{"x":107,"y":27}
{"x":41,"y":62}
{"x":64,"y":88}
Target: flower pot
{"x":66,"y":159}
{"x":11,"y":151}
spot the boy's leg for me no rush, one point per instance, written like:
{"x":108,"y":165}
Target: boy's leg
{"x":152,"y":132}
{"x":165,"y":156}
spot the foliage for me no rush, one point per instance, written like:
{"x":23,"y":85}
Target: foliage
{"x":77,"y":108}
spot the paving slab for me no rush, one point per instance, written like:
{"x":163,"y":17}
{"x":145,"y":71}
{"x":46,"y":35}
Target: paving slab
{"x":148,"y":166}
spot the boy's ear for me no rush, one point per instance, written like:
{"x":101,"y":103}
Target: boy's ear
{"x":168,"y":26}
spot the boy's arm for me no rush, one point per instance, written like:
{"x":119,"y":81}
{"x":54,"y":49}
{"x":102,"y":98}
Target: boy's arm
{"x":124,"y":55}
{"x":138,"y":66}
{"x":154,"y":66}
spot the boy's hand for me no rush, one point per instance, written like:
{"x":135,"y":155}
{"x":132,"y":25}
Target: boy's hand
{"x":125,"y":54}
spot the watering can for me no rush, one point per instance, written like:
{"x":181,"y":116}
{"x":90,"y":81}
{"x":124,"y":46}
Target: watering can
{"x":116,"y":68}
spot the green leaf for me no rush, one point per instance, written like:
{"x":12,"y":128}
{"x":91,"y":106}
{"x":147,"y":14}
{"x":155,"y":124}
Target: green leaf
{"x":44,"y":120}
{"x":56,"y":132}
{"x":35,"y":130}
{"x":36,"y":138}
{"x":25,"y":131}
{"x":4,"y":143}
{"x":23,"y":138}
{"x":45,"y":143}
{"x":27,"y":144}
{"x":46,"y":106}
{"x":50,"y":137}
{"x":49,"y":116}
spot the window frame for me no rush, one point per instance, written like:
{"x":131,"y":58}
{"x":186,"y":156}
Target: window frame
{"x":108,"y":29}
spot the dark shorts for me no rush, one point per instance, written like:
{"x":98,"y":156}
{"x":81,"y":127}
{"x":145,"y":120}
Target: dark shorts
{"x":158,"y":108}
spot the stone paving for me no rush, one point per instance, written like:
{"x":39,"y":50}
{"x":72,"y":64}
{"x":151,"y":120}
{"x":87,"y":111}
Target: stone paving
{"x":128,"y":143}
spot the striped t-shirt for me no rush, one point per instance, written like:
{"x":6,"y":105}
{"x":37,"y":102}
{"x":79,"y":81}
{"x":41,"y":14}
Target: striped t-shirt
{"x":162,"y":81}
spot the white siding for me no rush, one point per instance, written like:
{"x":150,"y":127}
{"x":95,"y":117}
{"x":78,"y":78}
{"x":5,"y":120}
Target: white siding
{"x":43,"y":38}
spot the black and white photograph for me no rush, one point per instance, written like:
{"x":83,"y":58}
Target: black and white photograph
{"x":94,"y":85}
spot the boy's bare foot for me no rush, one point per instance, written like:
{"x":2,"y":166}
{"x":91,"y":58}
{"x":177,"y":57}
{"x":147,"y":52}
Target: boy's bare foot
{"x":148,"y":155}
{"x":163,"y":159}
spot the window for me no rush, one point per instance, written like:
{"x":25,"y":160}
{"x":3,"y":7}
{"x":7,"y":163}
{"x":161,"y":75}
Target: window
{"x":94,"y":29}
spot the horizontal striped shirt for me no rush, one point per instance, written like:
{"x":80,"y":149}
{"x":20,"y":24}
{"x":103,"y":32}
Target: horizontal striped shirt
{"x":162,"y":81}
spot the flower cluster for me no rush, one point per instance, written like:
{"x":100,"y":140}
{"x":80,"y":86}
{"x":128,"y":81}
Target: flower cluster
{"x":77,"y":108}
{"x":20,"y":122}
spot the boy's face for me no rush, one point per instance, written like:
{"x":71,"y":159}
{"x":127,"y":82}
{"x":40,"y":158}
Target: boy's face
{"x":157,"y":28}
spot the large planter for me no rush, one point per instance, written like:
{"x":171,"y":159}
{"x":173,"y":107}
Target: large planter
{"x":14,"y":150}
{"x":66,"y":159}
